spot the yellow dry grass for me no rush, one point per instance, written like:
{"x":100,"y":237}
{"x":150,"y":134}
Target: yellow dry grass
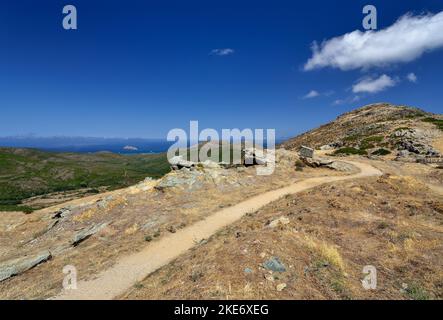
{"x":89,"y":213}
{"x":325,"y":251}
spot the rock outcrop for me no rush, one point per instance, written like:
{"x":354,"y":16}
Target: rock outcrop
{"x":17,"y":266}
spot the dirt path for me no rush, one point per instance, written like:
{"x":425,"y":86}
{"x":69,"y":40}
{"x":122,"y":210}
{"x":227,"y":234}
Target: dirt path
{"x":129,"y":270}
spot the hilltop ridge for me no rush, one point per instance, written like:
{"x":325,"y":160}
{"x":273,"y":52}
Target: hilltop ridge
{"x":377,"y":129}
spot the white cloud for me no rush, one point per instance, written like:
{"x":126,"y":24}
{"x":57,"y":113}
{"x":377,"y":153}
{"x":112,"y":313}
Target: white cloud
{"x":311,"y":94}
{"x":370,"y":85}
{"x":404,"y":41}
{"x":412,"y":77}
{"x":347,"y":100}
{"x":222,"y":52}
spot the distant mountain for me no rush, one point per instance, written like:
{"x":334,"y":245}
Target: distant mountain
{"x":87,"y":144}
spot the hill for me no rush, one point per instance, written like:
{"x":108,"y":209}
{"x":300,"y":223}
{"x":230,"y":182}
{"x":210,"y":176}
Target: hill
{"x":27,"y":173}
{"x":377,"y":129}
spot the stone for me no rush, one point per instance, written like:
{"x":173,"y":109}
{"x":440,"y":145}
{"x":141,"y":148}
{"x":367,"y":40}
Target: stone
{"x":269,"y":277}
{"x":310,"y":162}
{"x":253,"y":156}
{"x":281,"y":287}
{"x":178,"y":162}
{"x":248,"y":270}
{"x":340,"y":166}
{"x":86,"y":233}
{"x":274,"y":264}
{"x":17,"y":266}
{"x":278,"y":222}
{"x":326,"y":147}
{"x":306,"y":152}
{"x":63,"y":212}
{"x":103,"y":203}
{"x":316,"y":162}
{"x":403,"y":153}
{"x":174,"y":180}
{"x":208,"y":164}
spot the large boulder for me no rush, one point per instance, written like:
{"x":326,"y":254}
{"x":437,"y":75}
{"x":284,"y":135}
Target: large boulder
{"x":316,"y":162}
{"x":341,"y":166}
{"x":17,"y":266}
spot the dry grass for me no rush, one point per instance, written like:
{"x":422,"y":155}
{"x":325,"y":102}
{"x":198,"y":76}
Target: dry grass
{"x":326,"y":251}
{"x":334,"y":231}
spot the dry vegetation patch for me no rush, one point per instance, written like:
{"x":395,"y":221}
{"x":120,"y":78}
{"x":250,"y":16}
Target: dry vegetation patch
{"x":393,"y":223}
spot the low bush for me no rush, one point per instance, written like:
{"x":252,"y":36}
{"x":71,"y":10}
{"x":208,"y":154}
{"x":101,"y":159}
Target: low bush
{"x":350,"y":150}
{"x":381,"y":152}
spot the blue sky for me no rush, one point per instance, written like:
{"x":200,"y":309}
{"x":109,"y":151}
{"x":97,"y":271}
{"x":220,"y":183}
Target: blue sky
{"x":141,"y":68}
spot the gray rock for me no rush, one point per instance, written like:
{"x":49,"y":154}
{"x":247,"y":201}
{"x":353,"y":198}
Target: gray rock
{"x":187,"y":178}
{"x":306,"y":152}
{"x":178,"y":162}
{"x":326,"y":147}
{"x":253,"y":156}
{"x":208,"y":164}
{"x":86,"y":233}
{"x":279,"y":222}
{"x":63,"y":212}
{"x":17,"y":266}
{"x":316,"y":162}
{"x":340,"y":166}
{"x":274,"y":264}
{"x":103,"y":203}
{"x":403,"y":153}
{"x":248,"y":270}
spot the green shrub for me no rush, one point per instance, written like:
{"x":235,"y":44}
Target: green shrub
{"x":352,"y":138}
{"x":25,"y":209}
{"x":299,"y":165}
{"x":381,"y":152}
{"x":416,"y":292}
{"x":437,"y":122}
{"x":350,"y":150}
{"x":383,"y":225}
{"x":374,"y":139}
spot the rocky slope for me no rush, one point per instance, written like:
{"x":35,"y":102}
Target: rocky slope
{"x":380,"y":130}
{"x":93,"y":232}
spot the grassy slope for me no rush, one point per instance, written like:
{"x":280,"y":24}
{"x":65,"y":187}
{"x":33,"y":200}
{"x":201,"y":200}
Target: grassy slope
{"x":28,"y":172}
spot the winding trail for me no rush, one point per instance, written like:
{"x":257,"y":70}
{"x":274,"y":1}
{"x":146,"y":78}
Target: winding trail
{"x":129,"y":270}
